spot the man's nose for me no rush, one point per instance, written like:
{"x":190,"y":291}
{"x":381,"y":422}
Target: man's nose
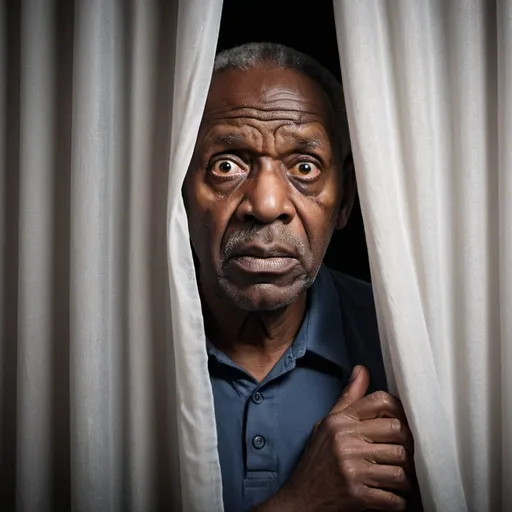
{"x":267,"y":195}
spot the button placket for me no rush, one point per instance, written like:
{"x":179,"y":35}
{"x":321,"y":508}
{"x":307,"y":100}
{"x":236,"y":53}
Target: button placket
{"x":261,"y":430}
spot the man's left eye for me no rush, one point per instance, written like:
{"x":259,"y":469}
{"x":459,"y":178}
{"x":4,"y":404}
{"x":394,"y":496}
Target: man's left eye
{"x":305,"y":169}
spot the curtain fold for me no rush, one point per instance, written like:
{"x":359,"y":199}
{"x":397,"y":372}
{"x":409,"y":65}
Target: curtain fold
{"x":429,"y":114}
{"x":504,"y":206}
{"x":34,"y":368}
{"x":198,"y":434}
{"x":100,"y":103}
{"x":98,"y":269}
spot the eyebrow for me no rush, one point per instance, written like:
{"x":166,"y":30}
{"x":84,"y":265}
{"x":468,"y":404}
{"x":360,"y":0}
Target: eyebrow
{"x":229,"y":140}
{"x":305,"y":143}
{"x":299,"y":142}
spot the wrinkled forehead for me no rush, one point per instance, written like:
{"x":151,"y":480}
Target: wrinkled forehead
{"x":249,"y":133}
{"x":266,"y":94}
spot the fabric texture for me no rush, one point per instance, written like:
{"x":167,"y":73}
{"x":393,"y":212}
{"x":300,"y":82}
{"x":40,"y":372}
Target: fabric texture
{"x":427,"y":87}
{"x":100,"y":103}
{"x":263,"y":427}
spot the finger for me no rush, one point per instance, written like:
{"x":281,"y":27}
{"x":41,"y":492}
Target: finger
{"x":377,"y":405}
{"x":391,"y":478}
{"x":384,"y":454}
{"x":355,"y":390}
{"x":379,"y":499}
{"x":389,"y":455}
{"x":385,"y":430}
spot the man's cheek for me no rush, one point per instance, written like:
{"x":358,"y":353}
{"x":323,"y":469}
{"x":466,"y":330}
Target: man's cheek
{"x":211,"y":233}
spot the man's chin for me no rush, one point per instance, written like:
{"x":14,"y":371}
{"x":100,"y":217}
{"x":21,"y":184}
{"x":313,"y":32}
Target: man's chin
{"x":264,"y":296}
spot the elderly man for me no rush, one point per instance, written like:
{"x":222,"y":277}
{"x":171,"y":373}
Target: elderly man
{"x":295,"y":364}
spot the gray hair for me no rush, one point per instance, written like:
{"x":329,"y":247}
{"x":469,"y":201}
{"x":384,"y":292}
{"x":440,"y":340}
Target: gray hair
{"x":252,"y":55}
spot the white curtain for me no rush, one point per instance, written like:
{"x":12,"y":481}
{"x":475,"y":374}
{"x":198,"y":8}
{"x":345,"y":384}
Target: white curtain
{"x":105,"y":403}
{"x":428,"y":90}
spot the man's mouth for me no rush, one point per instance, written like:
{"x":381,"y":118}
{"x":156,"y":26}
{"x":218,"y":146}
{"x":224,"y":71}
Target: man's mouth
{"x":264,"y":265}
{"x":264,"y":259}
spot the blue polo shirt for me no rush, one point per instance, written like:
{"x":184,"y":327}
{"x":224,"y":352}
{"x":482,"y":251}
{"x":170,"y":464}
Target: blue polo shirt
{"x":263,"y":427}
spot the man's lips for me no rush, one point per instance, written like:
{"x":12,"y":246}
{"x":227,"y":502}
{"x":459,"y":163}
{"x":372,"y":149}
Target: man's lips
{"x":268,"y":265}
{"x":264,"y":251}
{"x":264,"y":259}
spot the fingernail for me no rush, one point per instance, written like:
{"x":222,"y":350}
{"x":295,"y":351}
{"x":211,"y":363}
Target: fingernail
{"x":355,"y":372}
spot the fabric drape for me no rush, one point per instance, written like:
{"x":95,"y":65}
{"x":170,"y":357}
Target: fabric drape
{"x":427,"y":86}
{"x":104,"y":399}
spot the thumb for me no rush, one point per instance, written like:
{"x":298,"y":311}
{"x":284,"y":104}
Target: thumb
{"x":355,"y":389}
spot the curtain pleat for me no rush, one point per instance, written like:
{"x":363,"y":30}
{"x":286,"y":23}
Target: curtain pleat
{"x":504,"y":208}
{"x":97,"y":256}
{"x":429,"y":108}
{"x":9,"y":187}
{"x":100,"y":103}
{"x":197,"y":430}
{"x":34,"y":360}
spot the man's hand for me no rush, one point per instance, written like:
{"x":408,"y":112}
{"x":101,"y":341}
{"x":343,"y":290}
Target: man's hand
{"x":359,"y":457}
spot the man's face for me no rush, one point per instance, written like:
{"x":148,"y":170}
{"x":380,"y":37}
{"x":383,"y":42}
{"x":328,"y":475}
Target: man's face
{"x":264,"y":190}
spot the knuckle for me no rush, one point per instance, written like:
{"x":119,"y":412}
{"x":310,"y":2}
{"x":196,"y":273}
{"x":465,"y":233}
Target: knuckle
{"x":357,"y":492}
{"x":382,"y":397}
{"x":347,"y":432}
{"x":401,"y":454}
{"x":330,"y":425}
{"x":390,"y":498}
{"x":350,"y":473}
{"x":398,"y":474}
{"x":396,"y":426}
{"x":346,"y":451}
{"x":371,"y":469}
{"x":384,"y":400}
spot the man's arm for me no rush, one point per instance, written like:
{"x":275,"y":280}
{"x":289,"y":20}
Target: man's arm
{"x":360,"y":457}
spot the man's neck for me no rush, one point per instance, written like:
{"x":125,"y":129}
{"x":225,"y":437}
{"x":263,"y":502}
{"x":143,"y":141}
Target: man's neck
{"x":255,"y":341}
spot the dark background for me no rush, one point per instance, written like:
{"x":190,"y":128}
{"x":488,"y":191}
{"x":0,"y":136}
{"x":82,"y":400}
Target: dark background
{"x":310,"y":30}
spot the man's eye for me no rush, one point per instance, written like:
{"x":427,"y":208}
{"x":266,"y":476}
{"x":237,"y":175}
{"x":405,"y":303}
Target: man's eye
{"x":305,"y":169}
{"x":225,"y":168}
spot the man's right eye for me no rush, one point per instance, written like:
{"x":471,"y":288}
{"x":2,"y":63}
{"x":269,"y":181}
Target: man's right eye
{"x":225,"y":168}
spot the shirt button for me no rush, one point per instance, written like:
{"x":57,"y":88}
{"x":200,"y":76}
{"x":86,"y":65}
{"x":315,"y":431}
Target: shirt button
{"x":258,"y":442}
{"x":257,"y":398}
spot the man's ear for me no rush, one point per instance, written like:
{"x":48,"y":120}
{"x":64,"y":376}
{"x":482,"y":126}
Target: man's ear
{"x":348,"y":191}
